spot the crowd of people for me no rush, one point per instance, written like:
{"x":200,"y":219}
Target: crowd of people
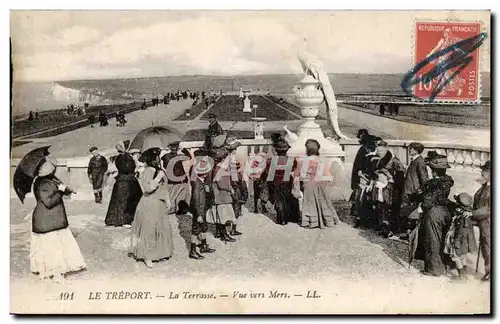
{"x":413,"y":203}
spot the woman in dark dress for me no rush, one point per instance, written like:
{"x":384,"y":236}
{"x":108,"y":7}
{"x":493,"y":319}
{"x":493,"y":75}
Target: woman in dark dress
{"x":436,"y":218}
{"x":126,"y":190}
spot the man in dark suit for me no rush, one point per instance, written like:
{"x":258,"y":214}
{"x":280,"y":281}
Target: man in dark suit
{"x":98,"y":165}
{"x":416,"y":176}
{"x":214,"y":130}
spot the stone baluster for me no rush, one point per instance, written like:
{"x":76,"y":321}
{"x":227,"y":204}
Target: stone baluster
{"x":467,"y":160}
{"x":451,"y":158}
{"x":485,"y":156}
{"x":459,"y":159}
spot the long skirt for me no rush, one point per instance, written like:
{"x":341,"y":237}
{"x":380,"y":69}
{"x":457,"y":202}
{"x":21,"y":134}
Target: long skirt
{"x":317,"y":209}
{"x":222,"y":214}
{"x":177,"y":193}
{"x":431,"y":240}
{"x":124,"y":199}
{"x":55,"y":253}
{"x":151,"y":231}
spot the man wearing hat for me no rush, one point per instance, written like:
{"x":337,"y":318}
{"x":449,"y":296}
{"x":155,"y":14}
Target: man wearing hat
{"x":177,"y":180}
{"x":386,"y":160}
{"x":482,"y":214}
{"x":201,"y":200}
{"x":98,"y":165}
{"x":214,"y":129}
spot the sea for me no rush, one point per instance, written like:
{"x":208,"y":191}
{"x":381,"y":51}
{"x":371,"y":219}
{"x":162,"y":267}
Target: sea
{"x":43,"y":96}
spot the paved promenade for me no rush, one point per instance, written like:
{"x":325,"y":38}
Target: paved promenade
{"x":354,"y":269}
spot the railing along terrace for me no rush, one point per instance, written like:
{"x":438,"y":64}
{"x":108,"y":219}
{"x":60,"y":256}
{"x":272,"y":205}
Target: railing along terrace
{"x":462,"y":158}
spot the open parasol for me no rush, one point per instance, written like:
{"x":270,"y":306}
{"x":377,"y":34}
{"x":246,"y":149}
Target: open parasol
{"x":155,"y":136}
{"x":26,"y":171}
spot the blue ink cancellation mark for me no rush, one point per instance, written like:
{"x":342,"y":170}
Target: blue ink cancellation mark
{"x":459,"y":55}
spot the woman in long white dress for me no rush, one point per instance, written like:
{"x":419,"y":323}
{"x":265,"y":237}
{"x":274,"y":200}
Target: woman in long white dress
{"x":54,"y":251}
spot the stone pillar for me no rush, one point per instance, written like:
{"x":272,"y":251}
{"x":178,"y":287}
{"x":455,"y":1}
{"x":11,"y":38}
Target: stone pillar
{"x":241,"y":92}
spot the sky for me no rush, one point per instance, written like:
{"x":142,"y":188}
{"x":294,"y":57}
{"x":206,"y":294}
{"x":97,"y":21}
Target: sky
{"x":68,"y":45}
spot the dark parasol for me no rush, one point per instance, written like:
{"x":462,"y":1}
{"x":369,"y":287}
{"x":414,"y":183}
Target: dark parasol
{"x":26,"y":171}
{"x":155,"y":136}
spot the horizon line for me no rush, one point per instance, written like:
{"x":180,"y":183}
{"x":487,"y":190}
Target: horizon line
{"x":208,"y":75}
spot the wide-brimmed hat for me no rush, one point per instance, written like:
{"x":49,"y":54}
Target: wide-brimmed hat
{"x":464,"y":200}
{"x":150,"y":155}
{"x":134,"y":150}
{"x":439,"y":162}
{"x":361,"y":132}
{"x":486,"y":166}
{"x":431,"y":155}
{"x":232,"y":143}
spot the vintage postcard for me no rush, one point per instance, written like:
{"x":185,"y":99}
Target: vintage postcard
{"x":250,"y":162}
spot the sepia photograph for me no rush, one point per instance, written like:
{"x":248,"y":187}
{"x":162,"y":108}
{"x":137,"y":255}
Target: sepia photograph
{"x":250,"y":162}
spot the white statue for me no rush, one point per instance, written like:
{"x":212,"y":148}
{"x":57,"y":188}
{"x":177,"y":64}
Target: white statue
{"x":314,"y":68}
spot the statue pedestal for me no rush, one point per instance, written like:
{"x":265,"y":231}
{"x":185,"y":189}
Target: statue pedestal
{"x":311,"y":130}
{"x":259,"y":127}
{"x":246,"y":105}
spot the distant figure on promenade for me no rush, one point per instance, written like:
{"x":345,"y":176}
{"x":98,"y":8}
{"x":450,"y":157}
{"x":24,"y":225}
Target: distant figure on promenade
{"x":103,"y":119}
{"x":381,"y":109}
{"x":144,"y":105}
{"x":126,"y":190}
{"x":98,"y":165}
{"x":396,"y":109}
{"x":177,"y":179}
{"x":36,"y":115}
{"x":151,"y":235}
{"x":31,"y":117}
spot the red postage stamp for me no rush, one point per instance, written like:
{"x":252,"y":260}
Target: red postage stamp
{"x":447,"y":63}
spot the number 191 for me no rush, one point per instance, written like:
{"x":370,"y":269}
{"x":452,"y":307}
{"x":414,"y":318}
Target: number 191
{"x":67,"y":296}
